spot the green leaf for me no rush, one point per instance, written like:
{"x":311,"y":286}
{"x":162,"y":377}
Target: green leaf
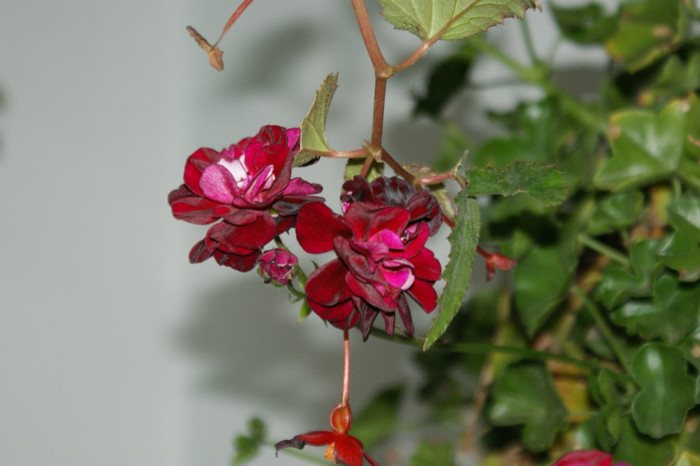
{"x":542,"y":279}
{"x":618,"y":283}
{"x":607,"y":423}
{"x":463,"y":239}
{"x":453,"y":146}
{"x":670,"y":314}
{"x":684,"y":214}
{"x":313,"y":126}
{"x":647,"y":31}
{"x":615,"y":212}
{"x":525,"y":394}
{"x":637,"y":449}
{"x":666,"y":392}
{"x":354,"y":167}
{"x":543,"y":183}
{"x":681,"y":252}
{"x":433,"y":454}
{"x":645,"y":147}
{"x":247,"y":446}
{"x":451,"y":19}
{"x":587,"y":24}
{"x":380,"y":418}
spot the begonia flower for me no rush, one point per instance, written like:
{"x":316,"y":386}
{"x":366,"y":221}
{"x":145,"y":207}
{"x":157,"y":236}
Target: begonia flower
{"x":248,"y":187}
{"x":496,"y":261}
{"x":342,"y":447}
{"x":277,"y":265}
{"x":587,"y":458}
{"x":395,"y":192}
{"x":381,"y":259}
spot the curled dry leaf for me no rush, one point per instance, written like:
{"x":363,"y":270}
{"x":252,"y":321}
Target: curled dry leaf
{"x":215,"y":54}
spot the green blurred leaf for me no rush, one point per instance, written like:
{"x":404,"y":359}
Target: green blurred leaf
{"x":543,"y":183}
{"x":669,"y":315}
{"x":677,"y":78}
{"x":525,"y":394}
{"x":433,"y":454}
{"x":607,"y":423}
{"x":463,"y":239}
{"x":688,"y":459}
{"x":647,"y":30}
{"x":684,"y":214}
{"x":666,"y":392}
{"x":615,"y":212}
{"x":681,"y":252}
{"x":313,"y":126}
{"x":450,"y":19}
{"x":645,"y":147}
{"x":638,"y":449}
{"x":542,"y":278}
{"x":304,"y":311}
{"x":247,"y":446}
{"x":380,"y":418}
{"x":453,"y":146}
{"x":353,"y":167}
{"x":618,"y":283}
{"x":586,"y":24}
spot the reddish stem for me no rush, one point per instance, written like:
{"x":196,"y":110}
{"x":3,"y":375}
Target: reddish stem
{"x":381,"y":67}
{"x":378,"y":114}
{"x":366,"y":166}
{"x":241,"y":8}
{"x":345,"y":393}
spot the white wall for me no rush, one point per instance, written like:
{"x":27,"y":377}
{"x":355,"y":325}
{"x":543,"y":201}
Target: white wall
{"x":114,"y":350}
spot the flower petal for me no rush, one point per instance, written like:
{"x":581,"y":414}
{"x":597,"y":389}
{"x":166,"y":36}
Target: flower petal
{"x":317,"y":226}
{"x":191,"y":207}
{"x":196,"y":164}
{"x":218,"y":184}
{"x":424,"y":294}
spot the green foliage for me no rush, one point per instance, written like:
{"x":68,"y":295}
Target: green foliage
{"x":380,"y":418}
{"x":450,"y":19}
{"x":525,"y":394}
{"x":247,"y":446}
{"x":457,"y":275}
{"x":433,"y":454}
{"x":313,"y":127}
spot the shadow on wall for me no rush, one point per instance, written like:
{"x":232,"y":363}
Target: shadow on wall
{"x":246,"y":336}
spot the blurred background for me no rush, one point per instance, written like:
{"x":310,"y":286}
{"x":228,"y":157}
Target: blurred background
{"x":114,"y":350}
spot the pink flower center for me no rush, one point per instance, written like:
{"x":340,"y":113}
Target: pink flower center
{"x":383,"y":251}
{"x":230,"y":178}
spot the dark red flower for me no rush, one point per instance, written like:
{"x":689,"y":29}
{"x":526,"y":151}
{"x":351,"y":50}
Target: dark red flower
{"x":586,"y":458}
{"x":381,"y":258}
{"x":395,"y":192}
{"x":278,"y":265}
{"x":342,"y":447}
{"x":496,"y":261}
{"x":248,"y":187}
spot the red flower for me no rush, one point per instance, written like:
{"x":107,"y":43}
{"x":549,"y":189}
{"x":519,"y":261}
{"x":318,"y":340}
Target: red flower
{"x":496,"y":261}
{"x":240,"y":185}
{"x":278,"y":265}
{"x":342,"y":447}
{"x":381,"y":258}
{"x":586,"y":458}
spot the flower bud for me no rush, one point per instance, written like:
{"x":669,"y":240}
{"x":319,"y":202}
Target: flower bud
{"x":278,"y":265}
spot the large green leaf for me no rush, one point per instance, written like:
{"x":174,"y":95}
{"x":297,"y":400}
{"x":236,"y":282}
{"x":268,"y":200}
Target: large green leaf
{"x":543,"y":183}
{"x":587,"y":24}
{"x":666,"y":392}
{"x":525,"y":394}
{"x":618,"y":282}
{"x":681,"y":252}
{"x":637,"y":449}
{"x":458,"y":272}
{"x":451,"y":19}
{"x":647,"y":30}
{"x":313,"y":126}
{"x":615,"y":212}
{"x":646,"y":147}
{"x":670,"y":314}
{"x":542,"y":279}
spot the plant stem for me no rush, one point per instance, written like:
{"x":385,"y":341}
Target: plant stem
{"x":241,"y":8}
{"x":381,"y":67}
{"x":375,"y":144}
{"x":603,"y":326}
{"x":529,"y":46}
{"x":345,"y":393}
{"x":490,"y":348}
{"x":603,"y":249}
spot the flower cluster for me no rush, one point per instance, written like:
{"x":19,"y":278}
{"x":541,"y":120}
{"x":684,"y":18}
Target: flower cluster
{"x":587,"y":458}
{"x":379,"y":241}
{"x":248,"y":187}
